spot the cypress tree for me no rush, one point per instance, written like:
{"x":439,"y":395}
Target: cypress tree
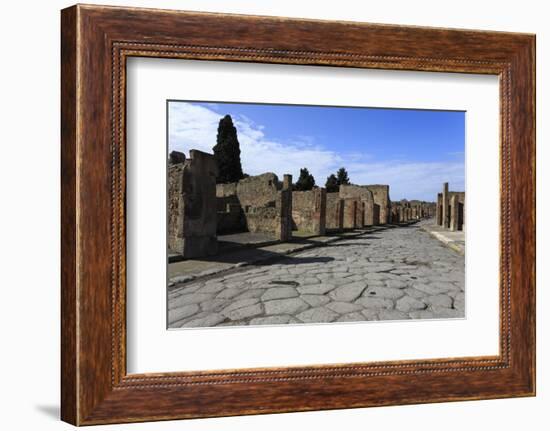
{"x":332,"y":184}
{"x":227,"y":152}
{"x":342,"y":176}
{"x":305,"y":181}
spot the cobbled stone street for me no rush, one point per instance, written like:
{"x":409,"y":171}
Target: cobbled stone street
{"x":392,"y":274}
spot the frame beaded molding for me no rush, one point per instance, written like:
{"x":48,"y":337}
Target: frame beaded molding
{"x":123,"y":49}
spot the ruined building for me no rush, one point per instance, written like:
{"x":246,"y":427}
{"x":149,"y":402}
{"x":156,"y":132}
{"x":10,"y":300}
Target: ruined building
{"x":405,"y":210}
{"x":199,"y":210}
{"x":260,"y":204}
{"x":450,"y":209}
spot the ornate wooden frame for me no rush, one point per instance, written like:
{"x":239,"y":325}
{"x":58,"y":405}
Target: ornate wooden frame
{"x":95,"y":42}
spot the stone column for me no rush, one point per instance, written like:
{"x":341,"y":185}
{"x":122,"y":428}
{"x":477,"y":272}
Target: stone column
{"x":322,"y":207}
{"x":369,"y":212}
{"x":445,"y":204}
{"x":285,"y":209}
{"x":340,"y":214}
{"x":453,"y":222}
{"x":439,"y":210}
{"x":192,"y":218}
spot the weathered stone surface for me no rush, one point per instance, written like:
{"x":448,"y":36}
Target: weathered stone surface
{"x":352,"y":317}
{"x":213,"y":304}
{"x":317,"y":315}
{"x":370,"y":313}
{"x":273,"y":320}
{"x":344,"y":307}
{"x":211,"y":319}
{"x":212,"y":288}
{"x":428,"y":288}
{"x":192,"y":298}
{"x":384,"y":292}
{"x":285,"y":306}
{"x":279,"y":293}
{"x":398,"y":284}
{"x":459,"y":301}
{"x":408,"y":303}
{"x":183,"y":312}
{"x":392,"y":315}
{"x":315,"y":300}
{"x":251,"y":293}
{"x":378,"y":303}
{"x":443,"y":301}
{"x":316,"y":289}
{"x":348,"y":292}
{"x":239,"y":304}
{"x":415,"y":293}
{"x":245,"y":312}
{"x":422,"y":314}
{"x":448,"y":313}
{"x":229,"y":293}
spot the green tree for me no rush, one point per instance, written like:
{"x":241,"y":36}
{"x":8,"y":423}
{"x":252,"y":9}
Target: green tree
{"x":332,"y":184}
{"x":305,"y":181}
{"x":227,"y":152}
{"x":342,"y":176}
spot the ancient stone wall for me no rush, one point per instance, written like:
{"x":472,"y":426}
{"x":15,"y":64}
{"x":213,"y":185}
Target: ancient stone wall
{"x":334,"y":212}
{"x":350,"y":213}
{"x":381,"y":196}
{"x":309,"y":211}
{"x":263,"y":205}
{"x":192,"y":205}
{"x":366,"y":204}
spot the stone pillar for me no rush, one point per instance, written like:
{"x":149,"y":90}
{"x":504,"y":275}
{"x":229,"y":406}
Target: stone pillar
{"x":287,"y":182}
{"x":439,"y":210}
{"x":284,"y":209}
{"x":350,"y":213}
{"x":454,"y":204}
{"x":321,"y":206}
{"x":340,"y":206}
{"x":369,"y":212}
{"x":445,"y":206}
{"x":192,"y":213}
{"x":359,"y":214}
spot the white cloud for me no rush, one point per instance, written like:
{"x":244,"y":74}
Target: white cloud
{"x":195,"y":127}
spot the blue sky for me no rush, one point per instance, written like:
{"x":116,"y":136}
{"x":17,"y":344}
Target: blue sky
{"x":414,"y":151}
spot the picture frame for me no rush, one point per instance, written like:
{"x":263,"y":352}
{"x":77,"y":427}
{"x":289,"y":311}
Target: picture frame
{"x":96,"y":41}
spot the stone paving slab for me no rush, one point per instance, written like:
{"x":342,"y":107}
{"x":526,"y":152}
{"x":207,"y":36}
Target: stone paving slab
{"x":384,"y":274}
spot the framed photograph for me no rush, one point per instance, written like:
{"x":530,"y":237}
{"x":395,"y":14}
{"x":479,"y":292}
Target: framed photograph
{"x":264,"y":215}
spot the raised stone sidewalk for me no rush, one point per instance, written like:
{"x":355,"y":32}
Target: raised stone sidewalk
{"x":455,"y":240}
